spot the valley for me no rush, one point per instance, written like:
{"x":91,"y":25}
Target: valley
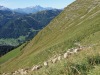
{"x":16,"y":28}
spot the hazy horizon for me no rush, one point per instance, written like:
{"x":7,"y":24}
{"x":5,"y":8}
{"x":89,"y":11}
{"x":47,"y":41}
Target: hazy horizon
{"x":13,"y":4}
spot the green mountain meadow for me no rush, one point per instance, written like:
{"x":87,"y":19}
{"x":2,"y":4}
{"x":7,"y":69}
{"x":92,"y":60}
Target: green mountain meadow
{"x":78,"y":23}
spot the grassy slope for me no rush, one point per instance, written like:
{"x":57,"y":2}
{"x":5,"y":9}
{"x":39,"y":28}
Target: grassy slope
{"x":87,"y":62}
{"x":79,"y":22}
{"x":14,"y":53}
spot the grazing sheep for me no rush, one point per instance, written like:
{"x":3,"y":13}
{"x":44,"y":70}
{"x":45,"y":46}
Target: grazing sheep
{"x":81,"y":48}
{"x":69,"y":52}
{"x":45,"y":63}
{"x":75,"y":50}
{"x":14,"y":73}
{"x":36,"y":67}
{"x":20,"y":70}
{"x":54,"y":60}
{"x":27,"y":69}
{"x":4,"y":74}
{"x":33,"y":68}
{"x":23,"y":72}
{"x":59,"y":58}
{"x":65,"y":55}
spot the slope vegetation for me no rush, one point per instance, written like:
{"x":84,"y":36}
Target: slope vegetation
{"x":78,"y":23}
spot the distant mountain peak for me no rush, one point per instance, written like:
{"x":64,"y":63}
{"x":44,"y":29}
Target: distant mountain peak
{"x":4,"y":8}
{"x":37,"y":6}
{"x":32,"y":9}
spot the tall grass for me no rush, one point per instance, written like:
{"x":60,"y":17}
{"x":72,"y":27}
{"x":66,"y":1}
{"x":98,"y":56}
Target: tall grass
{"x":86,"y":62}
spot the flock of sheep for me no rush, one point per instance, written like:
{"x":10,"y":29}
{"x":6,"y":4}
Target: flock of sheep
{"x":46,"y":63}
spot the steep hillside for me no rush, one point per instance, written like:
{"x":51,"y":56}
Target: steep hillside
{"x":78,"y":23}
{"x":44,"y":17}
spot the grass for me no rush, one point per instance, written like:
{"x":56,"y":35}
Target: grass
{"x":84,"y":63}
{"x":14,"y":53}
{"x":61,"y":34}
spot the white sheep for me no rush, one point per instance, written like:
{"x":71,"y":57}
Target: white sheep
{"x":59,"y":58}
{"x":23,"y":72}
{"x":36,"y":67}
{"x":14,"y":73}
{"x":33,"y":68}
{"x":54,"y":60}
{"x":75,"y":50}
{"x":27,"y":69}
{"x":80,"y":48}
{"x":8,"y":74}
{"x":69,"y":52}
{"x":5,"y":74}
{"x":20,"y":70}
{"x":65,"y":55}
{"x":45,"y":63}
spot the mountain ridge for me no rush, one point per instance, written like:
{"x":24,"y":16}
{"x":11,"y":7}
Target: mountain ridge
{"x":28,"y":10}
{"x":33,"y":9}
{"x":4,"y":8}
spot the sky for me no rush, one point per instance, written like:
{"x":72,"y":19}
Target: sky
{"x":28,"y":3}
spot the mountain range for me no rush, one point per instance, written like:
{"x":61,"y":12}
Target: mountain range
{"x":33,"y":9}
{"x":27,"y":10}
{"x":16,"y":28}
{"x":77,"y":26}
{"x":4,"y":8}
{"x":21,"y":26}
